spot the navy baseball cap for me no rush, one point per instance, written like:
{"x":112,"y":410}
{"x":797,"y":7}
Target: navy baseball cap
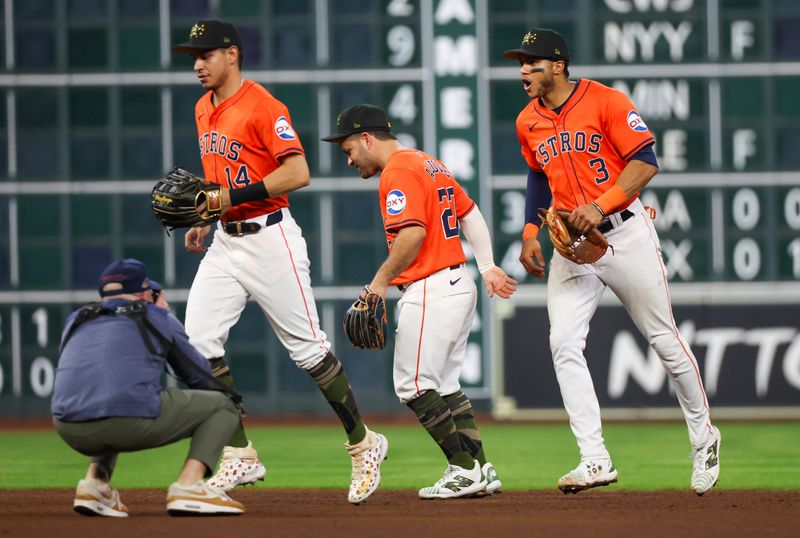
{"x":210,"y":35}
{"x":541,"y":43}
{"x":130,"y":274}
{"x":360,"y":119}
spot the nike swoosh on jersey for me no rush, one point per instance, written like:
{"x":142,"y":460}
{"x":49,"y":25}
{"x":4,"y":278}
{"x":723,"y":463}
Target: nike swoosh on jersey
{"x":454,"y":282}
{"x":530,"y":128}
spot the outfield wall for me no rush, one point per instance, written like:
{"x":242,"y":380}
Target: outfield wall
{"x":745,"y":338}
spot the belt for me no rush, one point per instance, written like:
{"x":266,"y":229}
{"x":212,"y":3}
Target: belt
{"x":404,"y":287}
{"x":240,"y":228}
{"x":606,"y":225}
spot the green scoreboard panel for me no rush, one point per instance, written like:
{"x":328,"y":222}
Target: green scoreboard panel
{"x":716,"y":81}
{"x":94,"y":107}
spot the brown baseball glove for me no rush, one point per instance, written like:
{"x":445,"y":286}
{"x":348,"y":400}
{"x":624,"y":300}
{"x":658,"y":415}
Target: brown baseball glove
{"x":569,"y":242}
{"x":365,"y":321}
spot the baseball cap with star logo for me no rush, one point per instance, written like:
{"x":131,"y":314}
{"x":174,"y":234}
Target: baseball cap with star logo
{"x":210,"y":35}
{"x":359,"y":119}
{"x":541,"y":43}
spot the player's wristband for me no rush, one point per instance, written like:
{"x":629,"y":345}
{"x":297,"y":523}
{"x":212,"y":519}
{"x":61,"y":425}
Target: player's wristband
{"x":530,"y":231}
{"x":251,"y":193}
{"x":611,"y":199}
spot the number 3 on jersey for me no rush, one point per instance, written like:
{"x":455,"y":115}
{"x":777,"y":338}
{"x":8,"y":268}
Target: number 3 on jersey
{"x":449,"y":219}
{"x":241,"y":179}
{"x":599,"y":166}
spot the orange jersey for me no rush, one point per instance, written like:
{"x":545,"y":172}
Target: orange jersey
{"x":242,"y":141}
{"x":418,"y":190}
{"x":583,"y":149}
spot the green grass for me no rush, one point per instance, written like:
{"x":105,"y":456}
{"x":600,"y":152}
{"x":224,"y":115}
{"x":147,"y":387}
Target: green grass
{"x":648,"y":457}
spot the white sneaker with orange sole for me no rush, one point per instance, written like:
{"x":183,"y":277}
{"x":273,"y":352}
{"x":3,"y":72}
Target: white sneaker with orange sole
{"x":96,"y":498}
{"x":199,"y":499}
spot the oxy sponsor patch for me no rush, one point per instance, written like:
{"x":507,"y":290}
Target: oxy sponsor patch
{"x":395,"y":202}
{"x":283,"y":129}
{"x":636,"y":122}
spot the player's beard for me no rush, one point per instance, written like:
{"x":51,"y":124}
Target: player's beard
{"x":546,"y":85}
{"x":215,"y":81}
{"x":366,"y":169}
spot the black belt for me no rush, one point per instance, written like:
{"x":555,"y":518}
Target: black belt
{"x":403,"y":287}
{"x":238,"y":229}
{"x":606,"y":225}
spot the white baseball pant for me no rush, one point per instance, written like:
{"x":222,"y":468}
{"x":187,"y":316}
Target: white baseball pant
{"x":435,"y":315}
{"x":273,"y":268}
{"x":635,"y":272}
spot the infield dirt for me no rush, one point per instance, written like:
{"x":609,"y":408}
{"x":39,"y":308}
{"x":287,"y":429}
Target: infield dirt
{"x":326,"y":513}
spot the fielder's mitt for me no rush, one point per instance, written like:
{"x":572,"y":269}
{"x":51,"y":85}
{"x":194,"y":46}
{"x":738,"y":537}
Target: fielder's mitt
{"x":176,"y":198}
{"x":365,"y":321}
{"x":569,"y":242}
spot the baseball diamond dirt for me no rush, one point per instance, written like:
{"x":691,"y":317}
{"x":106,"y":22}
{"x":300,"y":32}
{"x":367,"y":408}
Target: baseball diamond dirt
{"x":299,"y":513}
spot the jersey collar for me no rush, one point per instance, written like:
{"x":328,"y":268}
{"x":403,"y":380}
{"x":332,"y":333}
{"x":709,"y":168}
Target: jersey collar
{"x":567,"y":104}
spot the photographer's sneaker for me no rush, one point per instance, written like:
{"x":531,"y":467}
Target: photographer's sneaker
{"x":588,"y":474}
{"x":96,"y":498}
{"x":239,"y":466}
{"x":367,"y":457}
{"x":456,"y":482}
{"x":200,"y":499}
{"x":705,"y":460}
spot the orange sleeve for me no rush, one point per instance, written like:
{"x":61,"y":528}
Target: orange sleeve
{"x":405,"y":200}
{"x":275,"y":129}
{"x":464,"y":204}
{"x":625,"y":127}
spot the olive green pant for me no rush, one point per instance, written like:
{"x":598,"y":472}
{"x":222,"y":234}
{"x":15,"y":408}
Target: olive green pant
{"x":208,"y":417}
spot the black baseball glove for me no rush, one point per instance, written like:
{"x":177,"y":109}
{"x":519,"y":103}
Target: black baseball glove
{"x":177,"y":196}
{"x":365,"y":321}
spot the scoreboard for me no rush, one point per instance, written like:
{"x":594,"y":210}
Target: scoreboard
{"x":85,"y":130}
{"x":715,"y":82}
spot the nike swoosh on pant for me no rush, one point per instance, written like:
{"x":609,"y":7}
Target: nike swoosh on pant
{"x":454,"y":282}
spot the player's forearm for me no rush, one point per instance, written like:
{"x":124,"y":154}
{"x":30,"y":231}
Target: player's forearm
{"x":633,"y":178}
{"x":537,"y":196}
{"x":404,"y":251}
{"x":477,"y":234}
{"x":291,"y":175}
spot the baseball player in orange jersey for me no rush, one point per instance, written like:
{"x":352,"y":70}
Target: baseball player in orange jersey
{"x":590,"y":151}
{"x":423,"y":209}
{"x":248,"y":146}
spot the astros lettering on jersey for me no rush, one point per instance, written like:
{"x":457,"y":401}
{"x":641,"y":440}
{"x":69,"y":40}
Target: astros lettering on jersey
{"x":580,"y":164}
{"x":418,"y":190}
{"x":240,"y":144}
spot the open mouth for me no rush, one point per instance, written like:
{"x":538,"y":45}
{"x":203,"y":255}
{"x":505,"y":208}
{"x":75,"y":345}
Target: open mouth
{"x":526,"y":84}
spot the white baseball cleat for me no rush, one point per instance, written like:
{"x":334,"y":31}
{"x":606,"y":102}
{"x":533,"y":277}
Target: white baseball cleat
{"x":367,"y":457}
{"x":493,"y":484}
{"x":239,"y":466}
{"x":96,"y":498}
{"x":588,"y":474}
{"x":200,"y":499}
{"x":705,"y":469}
{"x":456,"y":482}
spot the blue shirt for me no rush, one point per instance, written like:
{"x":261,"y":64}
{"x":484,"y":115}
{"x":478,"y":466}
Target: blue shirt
{"x":105,"y":370}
